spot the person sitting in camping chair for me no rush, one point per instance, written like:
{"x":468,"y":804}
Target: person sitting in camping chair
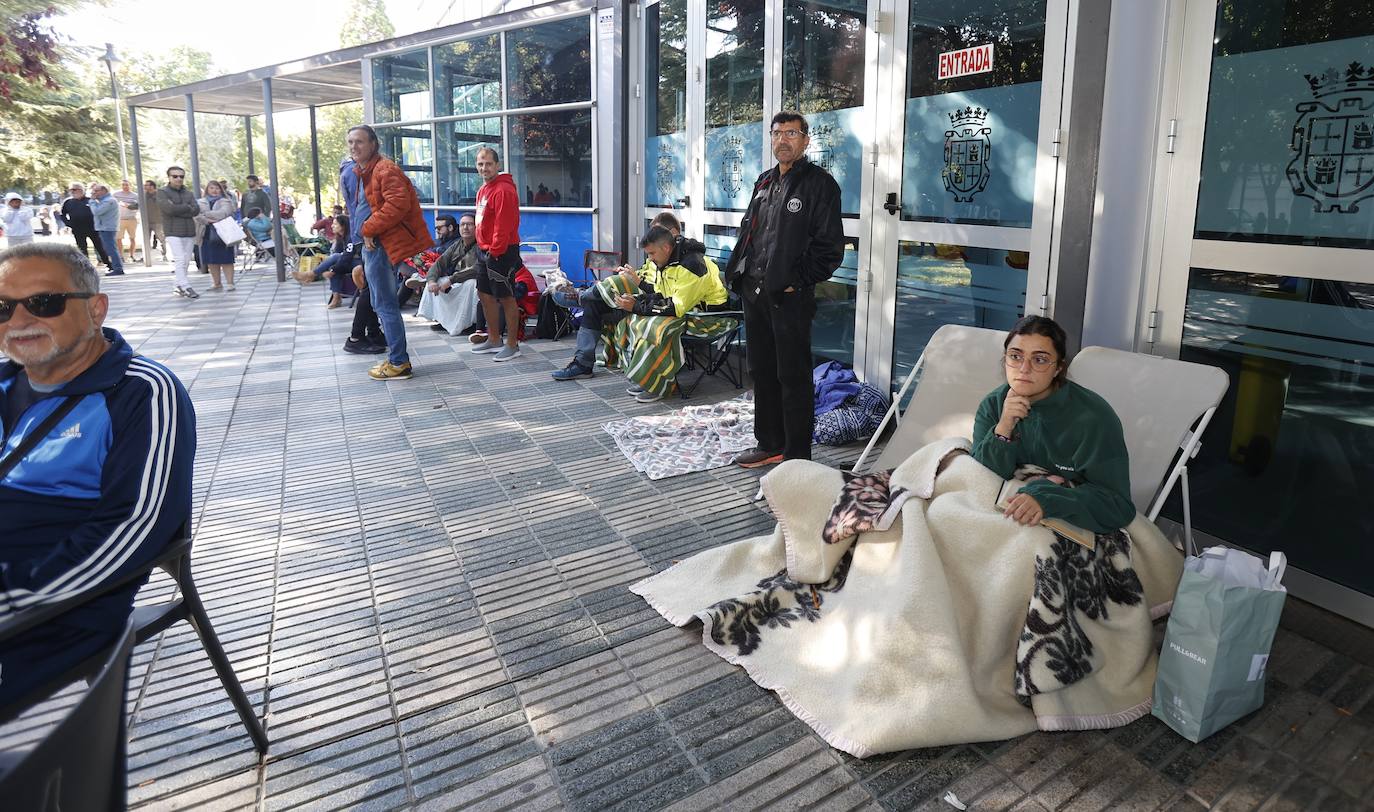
{"x":650,"y":313}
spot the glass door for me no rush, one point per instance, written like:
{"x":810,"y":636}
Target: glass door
{"x":713,"y":75}
{"x":964,"y":192}
{"x":1264,"y":268}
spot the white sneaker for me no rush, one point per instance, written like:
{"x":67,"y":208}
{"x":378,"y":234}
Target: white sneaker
{"x":506,"y":353}
{"x":488,"y":347}
{"x":179,"y":290}
{"x":634,"y":390}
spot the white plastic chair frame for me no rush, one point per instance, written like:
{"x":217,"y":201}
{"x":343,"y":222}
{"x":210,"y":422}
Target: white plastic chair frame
{"x":1165,"y":407}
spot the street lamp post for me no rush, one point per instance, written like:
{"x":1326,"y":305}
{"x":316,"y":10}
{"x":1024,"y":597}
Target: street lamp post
{"x":110,"y":59}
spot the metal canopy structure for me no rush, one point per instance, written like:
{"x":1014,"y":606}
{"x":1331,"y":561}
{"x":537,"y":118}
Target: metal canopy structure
{"x":316,"y":81}
{"x":303,"y":84}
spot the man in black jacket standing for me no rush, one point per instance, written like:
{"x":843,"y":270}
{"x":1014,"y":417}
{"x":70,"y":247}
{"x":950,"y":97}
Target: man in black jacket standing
{"x":76,"y":211}
{"x":790,"y":239}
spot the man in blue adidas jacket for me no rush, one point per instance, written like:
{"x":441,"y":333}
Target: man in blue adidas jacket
{"x":106,"y":489}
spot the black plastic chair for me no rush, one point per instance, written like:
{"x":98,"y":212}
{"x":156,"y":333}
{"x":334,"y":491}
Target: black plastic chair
{"x":148,"y":621}
{"x":81,"y":763}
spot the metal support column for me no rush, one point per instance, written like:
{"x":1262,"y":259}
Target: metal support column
{"x":1089,"y":30}
{"x":145,"y":203}
{"x":315,"y":162}
{"x":272,"y":180}
{"x":248,"y":136}
{"x":191,"y":141}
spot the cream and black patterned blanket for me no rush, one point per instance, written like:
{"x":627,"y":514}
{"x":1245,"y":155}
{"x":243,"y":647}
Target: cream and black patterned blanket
{"x":903,"y":610}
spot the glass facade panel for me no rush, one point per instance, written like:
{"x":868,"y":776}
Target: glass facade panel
{"x":1288,"y":460}
{"x":467,"y":77}
{"x":549,"y":63}
{"x":720,"y":243}
{"x":551,"y":157}
{"x":823,"y":78}
{"x":832,"y":331}
{"x":665,"y":103}
{"x":734,"y":102}
{"x":970,"y":144}
{"x":458,"y":145}
{"x":1288,"y":155}
{"x":952,"y":284}
{"x":400,"y":87}
{"x":412,"y":150}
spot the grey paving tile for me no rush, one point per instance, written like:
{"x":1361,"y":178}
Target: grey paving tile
{"x":634,"y":761}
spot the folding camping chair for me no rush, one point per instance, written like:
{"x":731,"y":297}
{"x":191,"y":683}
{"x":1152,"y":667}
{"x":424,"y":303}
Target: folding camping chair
{"x":1164,"y":406}
{"x":709,"y":343}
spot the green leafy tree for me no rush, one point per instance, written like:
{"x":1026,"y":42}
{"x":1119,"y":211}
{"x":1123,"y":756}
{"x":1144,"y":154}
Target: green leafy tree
{"x":365,"y":21}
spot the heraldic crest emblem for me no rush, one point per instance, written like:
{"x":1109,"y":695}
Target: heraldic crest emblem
{"x":732,"y":166}
{"x":967,"y":150}
{"x":1334,"y":140}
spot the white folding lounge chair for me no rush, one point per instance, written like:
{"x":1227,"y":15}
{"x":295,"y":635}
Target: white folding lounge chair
{"x":959,"y":366}
{"x":1164,"y":407}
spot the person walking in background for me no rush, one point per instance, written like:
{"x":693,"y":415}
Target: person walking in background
{"x":179,"y":209}
{"x":256,"y":197}
{"x":498,"y":254}
{"x":218,"y":257}
{"x":16,"y":220}
{"x":393,"y":230}
{"x":128,"y":219}
{"x":76,"y":214}
{"x":791,"y":238}
{"x":152,"y":220}
{"x":105,"y":212}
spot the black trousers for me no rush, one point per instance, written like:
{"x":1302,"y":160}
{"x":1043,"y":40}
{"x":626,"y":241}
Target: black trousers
{"x":778,"y":343}
{"x":365,"y":324}
{"x":82,"y":236}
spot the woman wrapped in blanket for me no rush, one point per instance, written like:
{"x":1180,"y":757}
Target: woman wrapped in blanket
{"x":1043,"y":419}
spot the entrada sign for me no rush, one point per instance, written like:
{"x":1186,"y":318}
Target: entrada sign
{"x":965,"y":62}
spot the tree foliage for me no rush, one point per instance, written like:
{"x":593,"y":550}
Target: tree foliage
{"x":365,"y":21}
{"x":28,"y":49}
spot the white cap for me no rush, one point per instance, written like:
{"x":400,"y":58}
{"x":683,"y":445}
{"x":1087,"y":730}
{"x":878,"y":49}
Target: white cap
{"x":13,"y":196}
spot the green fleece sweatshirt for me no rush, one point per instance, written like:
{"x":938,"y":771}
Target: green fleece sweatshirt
{"x":1075,"y":434}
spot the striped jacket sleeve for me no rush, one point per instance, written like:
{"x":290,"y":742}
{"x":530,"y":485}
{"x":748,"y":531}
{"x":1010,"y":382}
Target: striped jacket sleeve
{"x":145,"y":494}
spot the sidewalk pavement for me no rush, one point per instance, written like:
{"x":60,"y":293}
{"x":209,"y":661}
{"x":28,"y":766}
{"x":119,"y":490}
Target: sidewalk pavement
{"x":422,"y":586}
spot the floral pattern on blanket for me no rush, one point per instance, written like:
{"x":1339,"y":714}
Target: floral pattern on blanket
{"x":778,"y":603}
{"x":693,"y":438}
{"x":866,"y":501}
{"x":1073,"y":585}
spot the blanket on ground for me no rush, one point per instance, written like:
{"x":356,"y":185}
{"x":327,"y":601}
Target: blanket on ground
{"x":694,"y":438}
{"x":953,"y":624}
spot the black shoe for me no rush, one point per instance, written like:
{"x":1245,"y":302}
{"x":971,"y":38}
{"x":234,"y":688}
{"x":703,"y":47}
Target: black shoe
{"x":437,"y":327}
{"x":114,"y":273}
{"x":362,"y":346}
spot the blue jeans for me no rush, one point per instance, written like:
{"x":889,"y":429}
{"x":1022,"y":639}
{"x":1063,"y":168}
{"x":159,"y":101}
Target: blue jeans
{"x":381,"y":285}
{"x":596,"y":314}
{"x":107,"y":239}
{"x":336,"y":263}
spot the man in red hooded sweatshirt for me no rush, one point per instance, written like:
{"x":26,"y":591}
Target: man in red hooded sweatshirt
{"x":498,"y":254}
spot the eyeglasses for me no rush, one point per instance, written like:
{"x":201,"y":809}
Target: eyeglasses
{"x":1039,"y":361}
{"x":42,"y":305}
{"x":786,"y":134}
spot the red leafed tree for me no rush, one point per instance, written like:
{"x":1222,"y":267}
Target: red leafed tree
{"x":27,"y":45}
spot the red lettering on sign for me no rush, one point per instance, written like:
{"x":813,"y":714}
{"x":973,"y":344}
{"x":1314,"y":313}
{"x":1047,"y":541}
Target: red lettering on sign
{"x":964,"y":62}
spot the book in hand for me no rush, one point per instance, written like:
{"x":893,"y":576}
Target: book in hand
{"x":1072,"y":532}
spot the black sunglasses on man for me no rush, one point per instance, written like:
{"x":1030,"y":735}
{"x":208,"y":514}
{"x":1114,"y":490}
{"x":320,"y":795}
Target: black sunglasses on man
{"x":41,"y":305}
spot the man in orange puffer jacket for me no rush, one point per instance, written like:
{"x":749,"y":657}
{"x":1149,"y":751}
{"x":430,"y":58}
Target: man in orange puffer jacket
{"x":393,"y":229}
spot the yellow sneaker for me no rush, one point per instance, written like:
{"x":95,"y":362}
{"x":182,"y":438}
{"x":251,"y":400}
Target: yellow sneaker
{"x":386,"y":371}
